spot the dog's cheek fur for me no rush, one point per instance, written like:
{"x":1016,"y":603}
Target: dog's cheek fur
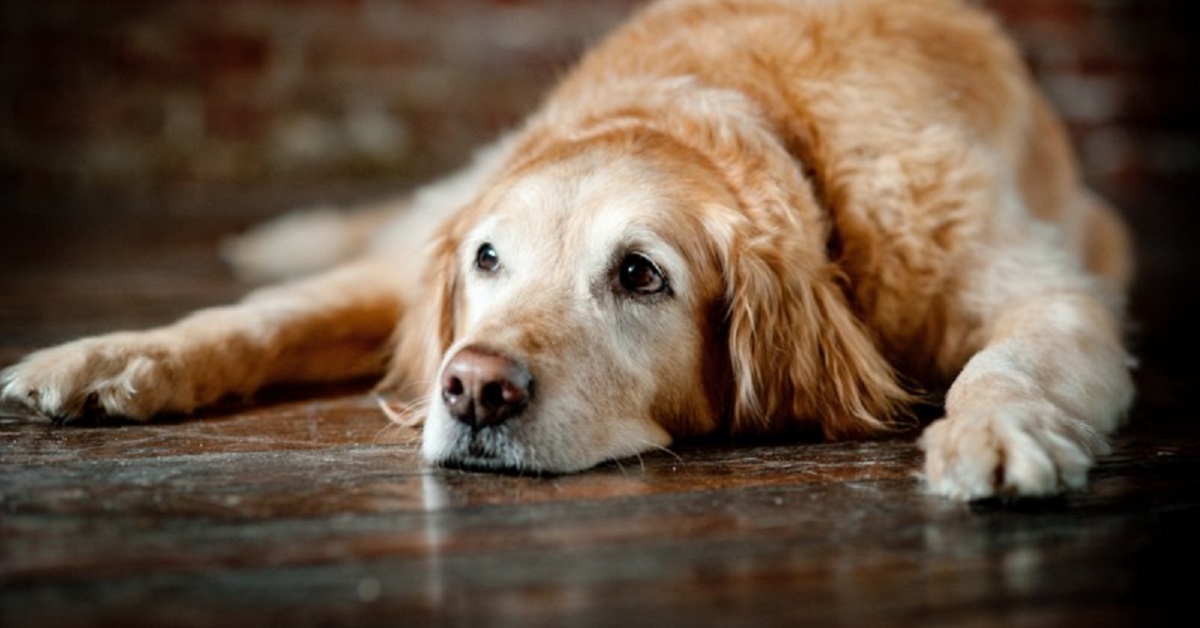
{"x":800,"y":357}
{"x":692,"y":392}
{"x":427,"y":328}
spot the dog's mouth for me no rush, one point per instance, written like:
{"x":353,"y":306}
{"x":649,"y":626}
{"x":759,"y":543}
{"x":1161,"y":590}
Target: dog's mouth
{"x":476,"y":448}
{"x":499,"y":450}
{"x":534,"y":443}
{"x":493,"y":466}
{"x":486,"y":450}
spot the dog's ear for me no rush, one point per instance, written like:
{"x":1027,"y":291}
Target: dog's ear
{"x":426,"y":328}
{"x":800,"y":356}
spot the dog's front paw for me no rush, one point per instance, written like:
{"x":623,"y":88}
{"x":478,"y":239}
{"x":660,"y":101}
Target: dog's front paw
{"x":1024,"y":449}
{"x":130,"y":376}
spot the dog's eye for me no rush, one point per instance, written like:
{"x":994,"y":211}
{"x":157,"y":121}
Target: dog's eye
{"x":638,"y":275}
{"x":487,"y":259}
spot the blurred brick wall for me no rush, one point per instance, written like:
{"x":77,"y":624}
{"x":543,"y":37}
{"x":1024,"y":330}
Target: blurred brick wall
{"x":135,"y":98}
{"x":1125,"y":76}
{"x":129,"y":98}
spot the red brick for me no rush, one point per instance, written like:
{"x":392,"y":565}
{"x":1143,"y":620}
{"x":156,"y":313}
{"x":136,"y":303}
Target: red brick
{"x":218,"y":52}
{"x":190,"y":90}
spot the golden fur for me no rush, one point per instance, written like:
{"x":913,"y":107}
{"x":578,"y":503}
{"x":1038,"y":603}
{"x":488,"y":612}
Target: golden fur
{"x":852,"y":206}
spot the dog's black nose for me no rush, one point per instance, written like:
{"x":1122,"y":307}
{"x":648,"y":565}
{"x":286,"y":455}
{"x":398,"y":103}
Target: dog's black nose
{"x":481,"y":387}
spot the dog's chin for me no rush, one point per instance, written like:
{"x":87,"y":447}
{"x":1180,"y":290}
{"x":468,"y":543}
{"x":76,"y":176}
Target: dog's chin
{"x":476,"y":464}
{"x":506,"y":449}
{"x":504,"y":464}
{"x":498,"y":449}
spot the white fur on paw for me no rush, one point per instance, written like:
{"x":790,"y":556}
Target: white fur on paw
{"x":1026,"y":449}
{"x":123,"y":375}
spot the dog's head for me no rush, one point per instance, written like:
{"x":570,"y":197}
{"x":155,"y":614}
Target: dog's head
{"x":617,"y":292}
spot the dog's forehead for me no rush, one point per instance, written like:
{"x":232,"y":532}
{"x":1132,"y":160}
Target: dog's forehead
{"x":584,"y":204}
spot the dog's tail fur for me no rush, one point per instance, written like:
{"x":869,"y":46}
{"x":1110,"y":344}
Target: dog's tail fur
{"x":307,"y":241}
{"x":304,"y":242}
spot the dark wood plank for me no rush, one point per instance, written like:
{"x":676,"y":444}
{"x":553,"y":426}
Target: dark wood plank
{"x":305,"y":511}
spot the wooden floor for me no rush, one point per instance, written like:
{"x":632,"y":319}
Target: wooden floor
{"x":309,"y":509}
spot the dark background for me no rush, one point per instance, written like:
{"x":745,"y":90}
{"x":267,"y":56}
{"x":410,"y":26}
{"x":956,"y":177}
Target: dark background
{"x":131,"y":99}
{"x":185,"y":107}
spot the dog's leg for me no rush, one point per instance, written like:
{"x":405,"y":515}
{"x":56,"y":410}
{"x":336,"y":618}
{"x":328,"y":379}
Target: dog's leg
{"x":330,"y":327}
{"x":1029,"y":412}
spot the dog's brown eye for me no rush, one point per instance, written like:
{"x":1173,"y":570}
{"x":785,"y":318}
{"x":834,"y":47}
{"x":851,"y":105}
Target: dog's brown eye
{"x":639,"y":275}
{"x":487,"y":259}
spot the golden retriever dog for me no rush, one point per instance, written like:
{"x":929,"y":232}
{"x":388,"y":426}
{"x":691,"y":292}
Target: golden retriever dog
{"x":745,"y":218}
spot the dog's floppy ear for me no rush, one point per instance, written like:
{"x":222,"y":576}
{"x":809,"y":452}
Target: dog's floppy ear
{"x":426,"y":329}
{"x":799,"y":354}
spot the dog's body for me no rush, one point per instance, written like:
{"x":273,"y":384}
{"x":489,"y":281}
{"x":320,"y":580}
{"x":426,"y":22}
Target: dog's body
{"x":746,"y":216}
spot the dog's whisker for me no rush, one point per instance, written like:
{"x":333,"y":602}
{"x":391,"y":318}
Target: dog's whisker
{"x":409,"y":438}
{"x":408,"y":390}
{"x":617,"y":461}
{"x":407,"y":415}
{"x":661,"y":448}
